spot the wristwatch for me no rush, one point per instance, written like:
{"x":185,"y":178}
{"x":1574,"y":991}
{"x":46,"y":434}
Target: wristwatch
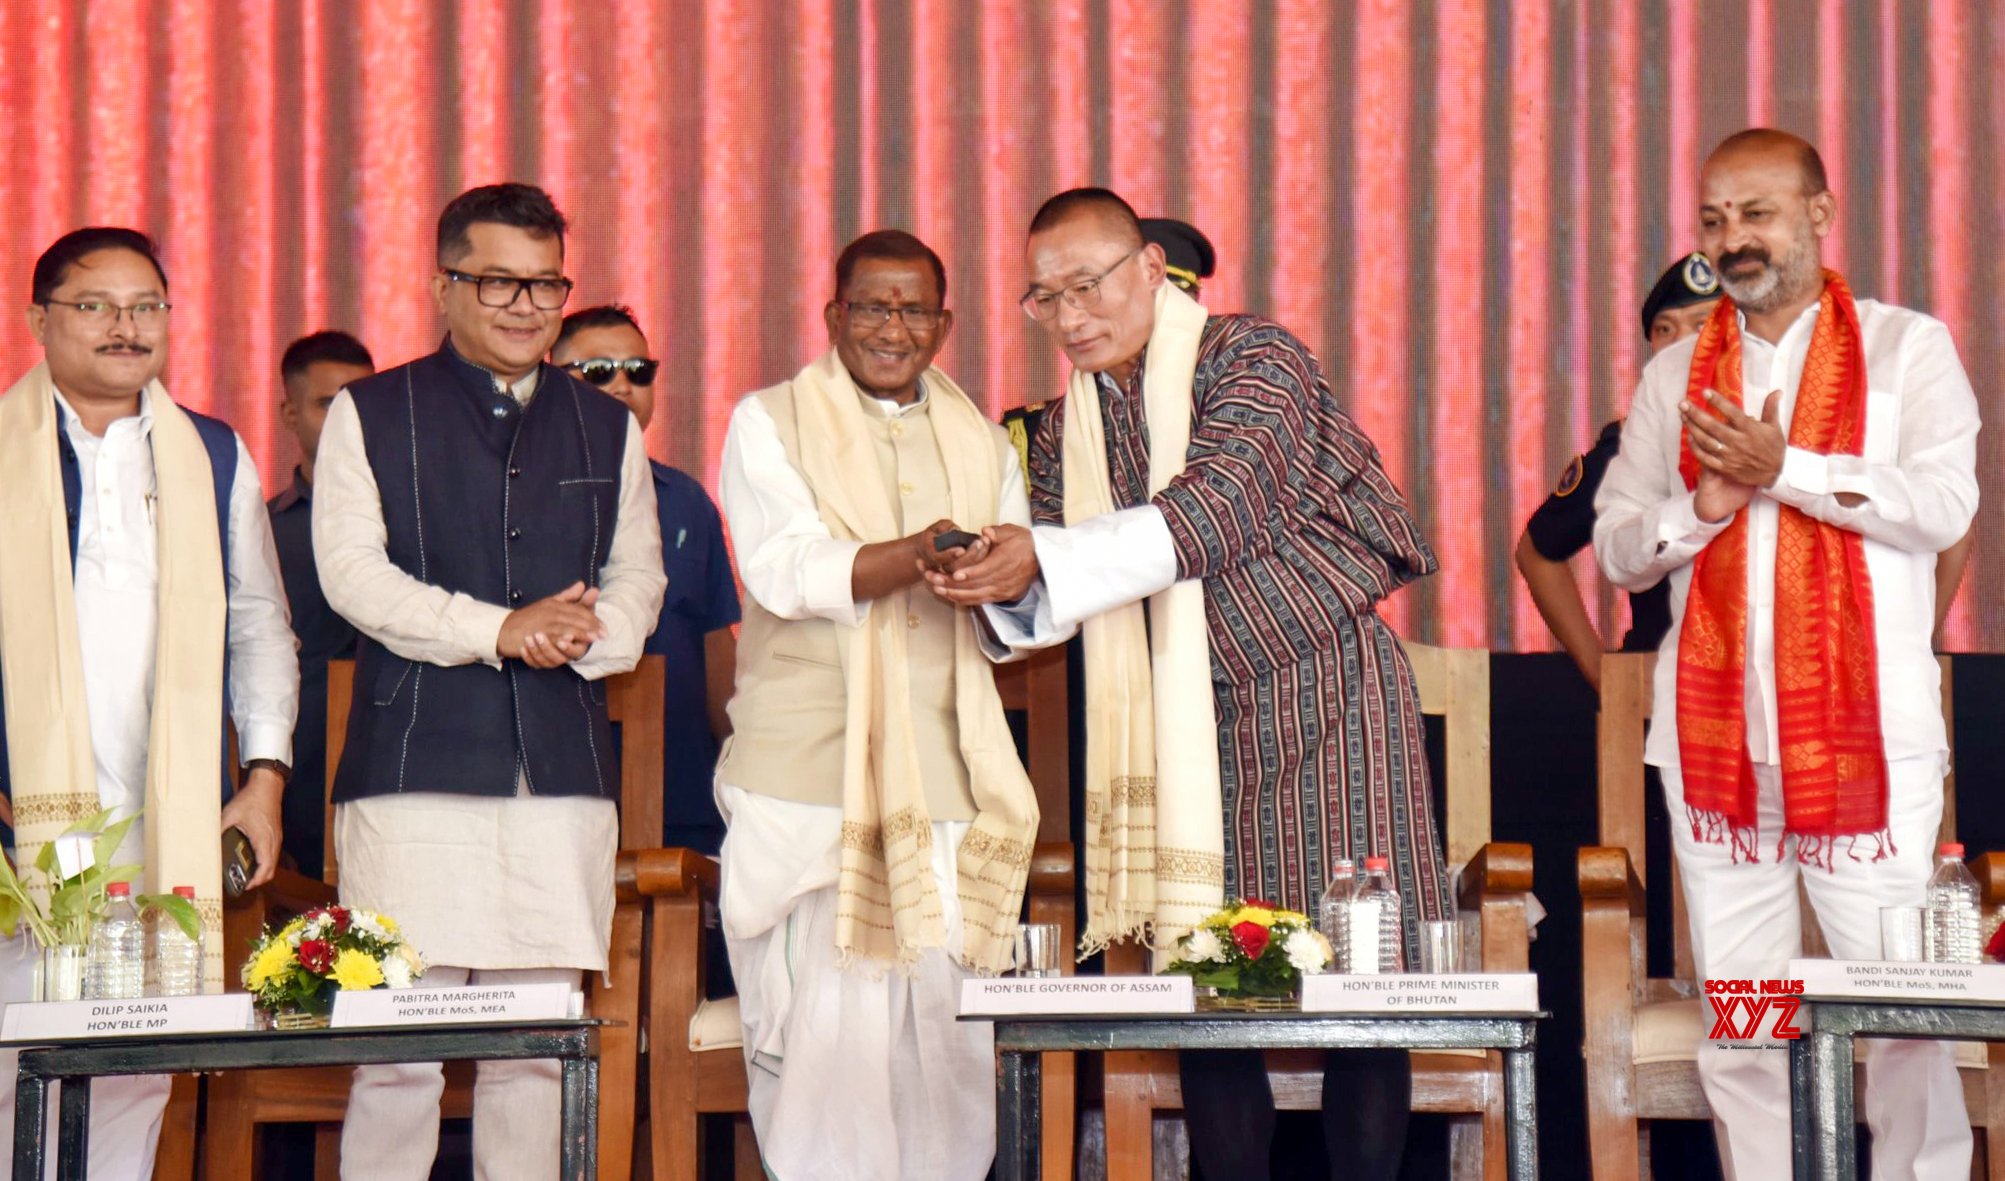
{"x":277,"y":768}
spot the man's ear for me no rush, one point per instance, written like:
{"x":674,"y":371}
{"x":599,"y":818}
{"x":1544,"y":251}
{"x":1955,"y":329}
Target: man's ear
{"x":440,"y":285}
{"x":1823,"y":213}
{"x":38,"y":322}
{"x":1154,"y":264}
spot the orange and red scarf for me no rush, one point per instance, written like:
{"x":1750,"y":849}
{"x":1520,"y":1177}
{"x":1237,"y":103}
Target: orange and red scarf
{"x":1834,"y":768}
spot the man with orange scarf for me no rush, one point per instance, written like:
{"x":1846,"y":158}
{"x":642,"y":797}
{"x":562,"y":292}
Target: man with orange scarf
{"x":1794,"y":470}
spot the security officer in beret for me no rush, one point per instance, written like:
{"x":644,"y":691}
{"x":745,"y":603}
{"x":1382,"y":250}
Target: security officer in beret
{"x":1564,"y":525}
{"x":1189,"y":258}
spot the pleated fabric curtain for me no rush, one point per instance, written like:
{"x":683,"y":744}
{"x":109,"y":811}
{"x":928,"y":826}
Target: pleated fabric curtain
{"x":1457,"y":203}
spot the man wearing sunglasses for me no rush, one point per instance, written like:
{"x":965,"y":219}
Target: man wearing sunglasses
{"x":604,"y":346}
{"x":880,"y":824}
{"x":487,"y":523}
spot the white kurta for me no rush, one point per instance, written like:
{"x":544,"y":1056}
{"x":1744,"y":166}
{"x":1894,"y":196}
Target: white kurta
{"x":478,"y":881}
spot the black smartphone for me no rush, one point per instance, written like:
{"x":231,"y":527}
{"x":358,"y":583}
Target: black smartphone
{"x":953,"y":538}
{"x":239,"y":863}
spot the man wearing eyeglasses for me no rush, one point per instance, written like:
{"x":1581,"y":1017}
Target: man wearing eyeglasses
{"x":487,"y":522}
{"x":140,"y":608}
{"x":1221,"y":531}
{"x":879,"y":823}
{"x":604,"y":346}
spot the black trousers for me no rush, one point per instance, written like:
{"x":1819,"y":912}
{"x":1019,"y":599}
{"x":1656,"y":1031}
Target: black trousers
{"x":1229,"y":1109}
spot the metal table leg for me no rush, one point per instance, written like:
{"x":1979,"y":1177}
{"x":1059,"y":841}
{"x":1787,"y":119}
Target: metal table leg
{"x":1802,"y":1124}
{"x":1832,"y":1110}
{"x":1521,"y":1120}
{"x":73,"y":1129}
{"x":580,"y":1119}
{"x":1019,"y":1117}
{"x":31,"y":1122}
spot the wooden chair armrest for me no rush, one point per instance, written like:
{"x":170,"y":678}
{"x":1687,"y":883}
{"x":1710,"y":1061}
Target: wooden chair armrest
{"x":1607,"y":878}
{"x":288,"y":890}
{"x":1052,"y":872}
{"x":1498,"y":869}
{"x":1990,"y":871}
{"x":662,"y":873}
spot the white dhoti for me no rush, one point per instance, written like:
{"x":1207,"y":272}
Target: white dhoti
{"x":1746,"y":923}
{"x":490,"y":891}
{"x":126,"y":1110}
{"x":862,"y":1072}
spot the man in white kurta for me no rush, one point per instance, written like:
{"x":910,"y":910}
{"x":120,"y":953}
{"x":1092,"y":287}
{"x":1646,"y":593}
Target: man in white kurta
{"x":101,"y":314}
{"x":488,"y":524}
{"x":858,"y":1067}
{"x":1907,"y":493}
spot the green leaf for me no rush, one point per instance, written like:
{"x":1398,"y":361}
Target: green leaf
{"x":176,"y":907}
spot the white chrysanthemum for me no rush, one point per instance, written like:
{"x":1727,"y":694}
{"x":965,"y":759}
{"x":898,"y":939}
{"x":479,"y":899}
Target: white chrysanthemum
{"x":1205,"y":947}
{"x":396,"y":973}
{"x":367,"y":922}
{"x":1306,"y":952}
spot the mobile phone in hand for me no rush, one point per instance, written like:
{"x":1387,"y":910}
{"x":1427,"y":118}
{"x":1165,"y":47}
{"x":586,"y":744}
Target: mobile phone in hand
{"x":953,"y":539}
{"x":239,"y":863}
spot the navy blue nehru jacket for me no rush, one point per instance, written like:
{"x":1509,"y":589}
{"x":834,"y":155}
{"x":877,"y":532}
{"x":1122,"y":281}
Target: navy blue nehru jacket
{"x":701,"y":598}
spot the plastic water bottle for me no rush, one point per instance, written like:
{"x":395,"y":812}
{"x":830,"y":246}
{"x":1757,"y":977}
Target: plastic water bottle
{"x":1333,"y":912}
{"x":117,"y":967}
{"x":1952,"y":910}
{"x":1373,"y":928}
{"x":177,"y":959}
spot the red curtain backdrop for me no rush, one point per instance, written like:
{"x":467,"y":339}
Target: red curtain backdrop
{"x":1458,"y":204}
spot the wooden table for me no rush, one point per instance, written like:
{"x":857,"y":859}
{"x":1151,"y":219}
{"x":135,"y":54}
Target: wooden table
{"x":1823,"y":1111}
{"x":74,"y":1063}
{"x":1020,"y":1039}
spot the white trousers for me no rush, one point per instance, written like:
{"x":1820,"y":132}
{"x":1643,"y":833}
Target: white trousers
{"x":1746,"y":923}
{"x":857,"y":1074}
{"x":392,"y":1129}
{"x":126,"y":1109}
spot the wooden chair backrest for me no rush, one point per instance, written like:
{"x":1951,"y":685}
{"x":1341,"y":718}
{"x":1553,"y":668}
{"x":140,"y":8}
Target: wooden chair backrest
{"x":1454,"y":685}
{"x":1626,"y":699}
{"x":637,"y":697}
{"x":1038,"y":686}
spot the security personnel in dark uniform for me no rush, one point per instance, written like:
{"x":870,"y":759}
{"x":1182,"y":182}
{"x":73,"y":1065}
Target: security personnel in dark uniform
{"x":314,"y":369}
{"x":1564,"y":525}
{"x":1189,"y":258}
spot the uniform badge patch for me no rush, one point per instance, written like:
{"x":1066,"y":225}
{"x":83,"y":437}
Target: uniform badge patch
{"x":1700,"y":276}
{"x":1570,"y":478}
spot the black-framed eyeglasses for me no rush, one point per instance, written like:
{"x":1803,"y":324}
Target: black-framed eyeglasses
{"x":877,"y":315}
{"x":600,"y":371}
{"x":1042,"y":306}
{"x":99,"y":313}
{"x":500,"y":291}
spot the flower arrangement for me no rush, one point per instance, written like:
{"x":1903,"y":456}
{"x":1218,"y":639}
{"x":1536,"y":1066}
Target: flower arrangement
{"x":1252,"y":949}
{"x":299,"y":967}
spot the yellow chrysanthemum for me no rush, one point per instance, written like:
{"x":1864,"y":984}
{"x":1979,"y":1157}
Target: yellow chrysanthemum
{"x":1291,"y":916}
{"x":292,"y":928}
{"x":387,"y":923}
{"x":270,"y":964}
{"x":1259,"y":916}
{"x":356,"y":970}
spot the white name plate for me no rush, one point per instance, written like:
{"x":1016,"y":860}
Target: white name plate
{"x":1869,"y":978}
{"x":65,"y":1020}
{"x":1467,"y":992}
{"x":470,"y":1005}
{"x":1008,"y":996}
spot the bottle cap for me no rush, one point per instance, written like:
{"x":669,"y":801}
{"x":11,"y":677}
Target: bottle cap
{"x":187,"y":892}
{"x":119,"y":890}
{"x":1950,"y":849}
{"x":1377,"y":864}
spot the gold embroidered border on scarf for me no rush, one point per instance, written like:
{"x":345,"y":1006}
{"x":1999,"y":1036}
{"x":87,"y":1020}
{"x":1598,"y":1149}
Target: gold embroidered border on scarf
{"x":888,"y":905}
{"x":52,"y":769}
{"x":1155,"y":834}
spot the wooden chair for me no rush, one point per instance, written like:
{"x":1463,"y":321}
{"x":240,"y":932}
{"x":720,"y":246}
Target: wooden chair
{"x":239,"y":1101}
{"x":1495,"y":888}
{"x":1641,"y":1032}
{"x":696,"y":1063}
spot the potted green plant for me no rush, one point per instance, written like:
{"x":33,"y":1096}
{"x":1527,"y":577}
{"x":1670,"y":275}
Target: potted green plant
{"x":76,"y":900}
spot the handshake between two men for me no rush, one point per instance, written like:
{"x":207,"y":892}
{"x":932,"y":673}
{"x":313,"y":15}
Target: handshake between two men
{"x":967,"y":570}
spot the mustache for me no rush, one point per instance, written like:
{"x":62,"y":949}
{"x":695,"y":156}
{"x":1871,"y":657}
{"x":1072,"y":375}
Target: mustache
{"x":1734,"y":258}
{"x":141,"y":349}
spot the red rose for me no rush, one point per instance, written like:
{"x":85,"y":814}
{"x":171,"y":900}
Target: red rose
{"x":316,"y":956}
{"x":1252,"y":939}
{"x":1996,"y":948}
{"x":340,"y":916}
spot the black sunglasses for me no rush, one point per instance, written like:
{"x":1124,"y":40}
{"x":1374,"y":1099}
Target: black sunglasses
{"x":600,"y":370}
